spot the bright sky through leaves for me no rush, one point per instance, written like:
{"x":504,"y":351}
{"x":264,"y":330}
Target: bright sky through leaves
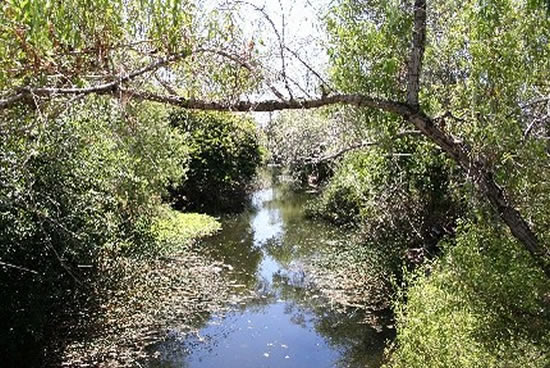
{"x":299,"y":24}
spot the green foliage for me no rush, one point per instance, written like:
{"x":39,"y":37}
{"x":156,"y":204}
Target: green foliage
{"x":42,"y":38}
{"x":73,"y":189}
{"x":224,"y":155}
{"x":484,"y":304}
{"x":174,"y":230}
{"x":85,"y":176}
{"x":486,"y":68}
{"x":399,"y":205}
{"x":347,"y":192}
{"x":403,"y":197}
{"x":83,"y":43}
{"x":367,"y":39}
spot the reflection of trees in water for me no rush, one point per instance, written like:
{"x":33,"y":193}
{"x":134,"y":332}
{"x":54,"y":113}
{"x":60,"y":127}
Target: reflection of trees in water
{"x":360,"y":345}
{"x":301,"y":238}
{"x":234,"y":245}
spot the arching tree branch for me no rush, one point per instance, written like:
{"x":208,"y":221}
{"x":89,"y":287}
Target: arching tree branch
{"x":25,"y":92}
{"x":478,"y":172}
{"x":271,"y":105}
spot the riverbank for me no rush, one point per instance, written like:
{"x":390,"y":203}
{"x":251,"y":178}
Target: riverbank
{"x":148,"y":296}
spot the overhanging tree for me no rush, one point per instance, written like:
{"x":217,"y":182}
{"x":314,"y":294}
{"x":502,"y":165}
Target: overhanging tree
{"x":166,"y":43}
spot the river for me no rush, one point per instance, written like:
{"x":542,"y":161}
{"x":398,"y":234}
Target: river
{"x":284,"y":322}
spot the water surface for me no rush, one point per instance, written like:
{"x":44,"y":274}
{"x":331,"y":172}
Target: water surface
{"x":286,"y":323}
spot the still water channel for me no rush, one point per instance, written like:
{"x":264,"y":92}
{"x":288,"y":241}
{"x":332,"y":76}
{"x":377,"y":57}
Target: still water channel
{"x":285,"y":322}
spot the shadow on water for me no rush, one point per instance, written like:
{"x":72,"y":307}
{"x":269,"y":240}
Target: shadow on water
{"x":287,"y":323}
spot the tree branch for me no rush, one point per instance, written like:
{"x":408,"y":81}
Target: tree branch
{"x":308,"y":67}
{"x":533,"y":124}
{"x":271,"y":105}
{"x":478,"y":172}
{"x":25,"y":92}
{"x":535,"y":101}
{"x":20,"y":268}
{"x":281,"y":41}
{"x":360,"y":145}
{"x":12,"y":100}
{"x":481,"y":175}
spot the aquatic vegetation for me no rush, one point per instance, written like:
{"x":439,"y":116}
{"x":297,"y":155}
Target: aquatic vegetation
{"x":150,"y":297}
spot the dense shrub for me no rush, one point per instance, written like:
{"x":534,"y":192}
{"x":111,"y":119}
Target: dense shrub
{"x":402,"y":200}
{"x":224,"y":155}
{"x":484,"y":304}
{"x":72,"y":189}
{"x":400,"y":205}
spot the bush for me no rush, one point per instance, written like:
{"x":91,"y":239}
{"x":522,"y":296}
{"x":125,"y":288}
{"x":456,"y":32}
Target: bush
{"x":224,"y":155}
{"x":399,"y":205}
{"x":345,"y":199}
{"x":174,"y":230}
{"x":74,"y":189}
{"x":484,"y":304}
{"x":400,"y":200}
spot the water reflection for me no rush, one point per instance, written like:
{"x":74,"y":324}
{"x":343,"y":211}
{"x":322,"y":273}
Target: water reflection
{"x":287,"y":324}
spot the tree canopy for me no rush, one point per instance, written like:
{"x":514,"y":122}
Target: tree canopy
{"x":466,"y":74}
{"x":89,"y":82}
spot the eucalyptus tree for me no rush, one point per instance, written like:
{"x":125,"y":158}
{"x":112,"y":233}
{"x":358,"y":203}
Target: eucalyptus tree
{"x":470,"y":76}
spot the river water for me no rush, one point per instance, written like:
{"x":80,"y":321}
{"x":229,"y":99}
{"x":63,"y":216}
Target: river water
{"x":285,"y":322}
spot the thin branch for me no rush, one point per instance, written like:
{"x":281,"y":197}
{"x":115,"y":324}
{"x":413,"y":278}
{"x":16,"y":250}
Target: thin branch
{"x":536,"y":101}
{"x":245,"y":65}
{"x":25,"y":92}
{"x":302,"y":89}
{"x":109,"y":87}
{"x":343,"y":151}
{"x":20,"y":268}
{"x":165,"y":85}
{"x":533,"y":124}
{"x":282,"y":43}
{"x":280,"y":39}
{"x":308,"y":67}
{"x":361,"y":145}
